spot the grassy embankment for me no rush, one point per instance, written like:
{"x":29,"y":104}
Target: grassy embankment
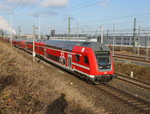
{"x":139,"y":72}
{"x":27,"y":87}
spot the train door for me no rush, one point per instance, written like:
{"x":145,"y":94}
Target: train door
{"x":45,"y":53}
{"x":70,"y":61}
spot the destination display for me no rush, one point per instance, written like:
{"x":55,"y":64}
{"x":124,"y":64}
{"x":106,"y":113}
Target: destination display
{"x":102,"y":52}
{"x":102,"y":56}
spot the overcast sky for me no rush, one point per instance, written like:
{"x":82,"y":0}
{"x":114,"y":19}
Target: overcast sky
{"x":89,"y":14}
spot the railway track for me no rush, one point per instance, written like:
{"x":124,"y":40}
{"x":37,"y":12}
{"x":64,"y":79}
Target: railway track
{"x":138,"y":103}
{"x":133,"y":81}
{"x":132,"y":57}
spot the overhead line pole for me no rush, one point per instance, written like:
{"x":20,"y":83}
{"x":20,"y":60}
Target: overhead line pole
{"x":121,"y":39}
{"x":113,"y":39}
{"x":107,"y":37}
{"x":39,"y":37}
{"x":34,"y":54}
{"x":19,"y":31}
{"x":147,"y":44}
{"x":139,"y":40}
{"x":77,"y":30}
{"x":134,"y":36}
{"x":102,"y":34}
{"x":68,"y":28}
{"x":10,"y":24}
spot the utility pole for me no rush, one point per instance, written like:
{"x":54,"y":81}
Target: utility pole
{"x":34,"y":54}
{"x":139,"y":40}
{"x":68,"y":28}
{"x":130,"y":40}
{"x":39,"y":28}
{"x":113,"y":50}
{"x":10,"y":24}
{"x":108,"y":37}
{"x":147,"y":43}
{"x":121,"y":39}
{"x":134,"y":36}
{"x":77,"y":30}
{"x":102,"y":40}
{"x":19,"y":31}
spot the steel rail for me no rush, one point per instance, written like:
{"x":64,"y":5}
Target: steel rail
{"x":129,"y":55}
{"x":138,"y":103}
{"x":132,"y":57}
{"x":133,"y":81}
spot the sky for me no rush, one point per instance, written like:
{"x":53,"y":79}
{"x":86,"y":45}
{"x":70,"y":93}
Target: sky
{"x":86,"y":15}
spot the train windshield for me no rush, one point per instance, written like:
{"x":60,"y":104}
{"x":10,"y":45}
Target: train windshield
{"x":103,"y":59}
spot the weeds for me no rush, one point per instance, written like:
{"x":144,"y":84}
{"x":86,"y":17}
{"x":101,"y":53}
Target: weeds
{"x":140,"y":72}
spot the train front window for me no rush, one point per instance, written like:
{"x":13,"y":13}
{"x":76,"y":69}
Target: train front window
{"x":103,"y":59}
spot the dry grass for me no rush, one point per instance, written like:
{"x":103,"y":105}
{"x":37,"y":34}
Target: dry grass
{"x":140,"y":72}
{"x":26,"y":87}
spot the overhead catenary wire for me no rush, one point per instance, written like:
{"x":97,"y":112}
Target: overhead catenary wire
{"x":35,"y":5}
{"x":116,"y":18}
{"x":18,"y":5}
{"x":110,"y":24}
{"x":88,"y":4}
{"x":119,"y":23}
{"x":82,"y":4}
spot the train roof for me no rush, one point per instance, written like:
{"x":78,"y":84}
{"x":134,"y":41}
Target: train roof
{"x":95,"y":45}
{"x":19,"y":39}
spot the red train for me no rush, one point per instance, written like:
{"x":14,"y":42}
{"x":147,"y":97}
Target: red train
{"x":89,"y":60}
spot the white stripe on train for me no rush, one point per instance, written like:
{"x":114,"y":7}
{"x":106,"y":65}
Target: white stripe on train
{"x":91,"y":76}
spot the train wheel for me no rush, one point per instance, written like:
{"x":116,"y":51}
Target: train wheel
{"x":81,"y":76}
{"x":88,"y":81}
{"x":96,"y":82}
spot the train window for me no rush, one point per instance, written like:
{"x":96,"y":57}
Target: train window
{"x":48,"y":55}
{"x":51,"y":57}
{"x":41,"y":49}
{"x":67,"y":48}
{"x":57,"y":59}
{"x":63,"y":47}
{"x":86,"y":60}
{"x":77,"y":58}
{"x":70,"y":48}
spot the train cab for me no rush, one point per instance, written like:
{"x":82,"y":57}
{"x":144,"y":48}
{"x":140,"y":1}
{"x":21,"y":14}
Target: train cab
{"x":100,"y":61}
